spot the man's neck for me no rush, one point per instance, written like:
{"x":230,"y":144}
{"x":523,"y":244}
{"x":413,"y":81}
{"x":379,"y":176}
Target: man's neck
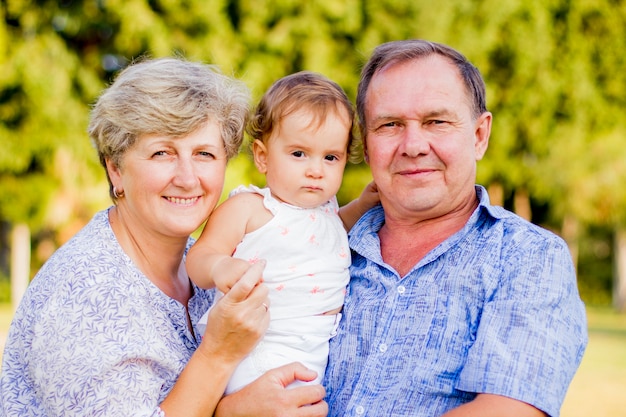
{"x":404,"y":242}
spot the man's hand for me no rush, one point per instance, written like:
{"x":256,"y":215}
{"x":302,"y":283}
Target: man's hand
{"x":269,"y":397}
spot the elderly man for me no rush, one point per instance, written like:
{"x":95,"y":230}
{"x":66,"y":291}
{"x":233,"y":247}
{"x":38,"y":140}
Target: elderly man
{"x":455,"y":307}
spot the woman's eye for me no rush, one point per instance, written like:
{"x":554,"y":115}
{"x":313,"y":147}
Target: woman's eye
{"x":207,"y":154}
{"x":160,"y":153}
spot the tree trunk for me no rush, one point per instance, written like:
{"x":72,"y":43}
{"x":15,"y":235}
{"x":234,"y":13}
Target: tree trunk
{"x":522,"y":204}
{"x":570,"y":233}
{"x":619,"y":272}
{"x":20,"y":262}
{"x":496,"y":194}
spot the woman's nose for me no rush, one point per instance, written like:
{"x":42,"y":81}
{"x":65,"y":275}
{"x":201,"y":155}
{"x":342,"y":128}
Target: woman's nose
{"x":185,"y":175}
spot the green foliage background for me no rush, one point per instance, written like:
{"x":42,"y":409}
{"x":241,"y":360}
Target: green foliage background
{"x":554,"y":71}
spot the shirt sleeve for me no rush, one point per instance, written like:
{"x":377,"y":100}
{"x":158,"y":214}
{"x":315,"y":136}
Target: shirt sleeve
{"x":532,"y":331}
{"x":97,"y":353}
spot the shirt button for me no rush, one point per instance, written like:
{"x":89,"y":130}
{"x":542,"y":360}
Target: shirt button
{"x":382,"y":347}
{"x":360,"y":410}
{"x":401,"y":289}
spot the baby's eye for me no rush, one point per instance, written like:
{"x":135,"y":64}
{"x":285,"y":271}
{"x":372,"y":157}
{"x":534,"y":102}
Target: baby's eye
{"x":331,"y":158}
{"x":298,"y":154}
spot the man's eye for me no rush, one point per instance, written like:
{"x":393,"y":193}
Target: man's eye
{"x":387,"y":126}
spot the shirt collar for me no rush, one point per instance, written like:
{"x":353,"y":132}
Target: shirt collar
{"x":364,"y":235}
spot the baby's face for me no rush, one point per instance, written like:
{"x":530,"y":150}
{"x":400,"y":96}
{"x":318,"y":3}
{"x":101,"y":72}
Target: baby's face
{"x":303,"y":159}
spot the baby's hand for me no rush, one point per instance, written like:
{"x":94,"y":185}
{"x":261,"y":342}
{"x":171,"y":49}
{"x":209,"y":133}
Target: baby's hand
{"x":228,"y":271}
{"x":352,"y":212}
{"x":369,"y":197}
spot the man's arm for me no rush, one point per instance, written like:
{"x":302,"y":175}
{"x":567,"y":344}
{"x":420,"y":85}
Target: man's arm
{"x":488,"y":405}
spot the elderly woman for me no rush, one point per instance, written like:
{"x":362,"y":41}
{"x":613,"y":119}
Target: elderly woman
{"x":108,"y":326}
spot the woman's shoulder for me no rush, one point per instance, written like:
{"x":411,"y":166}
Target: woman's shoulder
{"x":93,"y":247}
{"x":91,"y":260}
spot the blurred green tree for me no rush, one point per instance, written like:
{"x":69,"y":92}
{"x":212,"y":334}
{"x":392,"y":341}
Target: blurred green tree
{"x":553,"y":72}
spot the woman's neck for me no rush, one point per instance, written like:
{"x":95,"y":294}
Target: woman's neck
{"x":159,"y":259}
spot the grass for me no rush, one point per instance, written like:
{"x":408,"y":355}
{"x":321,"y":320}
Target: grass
{"x":598,"y":387}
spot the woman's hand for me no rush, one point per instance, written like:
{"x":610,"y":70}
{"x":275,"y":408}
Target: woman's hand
{"x":239,"y":319}
{"x":227,"y":271}
{"x":269,"y":397}
{"x":235,"y":325}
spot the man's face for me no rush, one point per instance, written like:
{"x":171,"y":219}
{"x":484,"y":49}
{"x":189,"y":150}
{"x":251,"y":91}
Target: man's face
{"x":422,"y":140}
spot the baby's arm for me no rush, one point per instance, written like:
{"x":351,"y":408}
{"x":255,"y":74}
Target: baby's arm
{"x":209,"y":261}
{"x":352,"y":212}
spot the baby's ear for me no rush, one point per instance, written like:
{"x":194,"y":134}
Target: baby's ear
{"x":259,"y":151}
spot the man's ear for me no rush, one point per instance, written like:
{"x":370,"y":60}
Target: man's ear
{"x":481,"y":134}
{"x":259,"y":151}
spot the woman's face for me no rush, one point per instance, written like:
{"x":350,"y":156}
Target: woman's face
{"x":170,"y":185}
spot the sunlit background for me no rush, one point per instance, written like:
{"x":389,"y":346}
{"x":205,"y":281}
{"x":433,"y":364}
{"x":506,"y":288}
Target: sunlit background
{"x":556,"y":83}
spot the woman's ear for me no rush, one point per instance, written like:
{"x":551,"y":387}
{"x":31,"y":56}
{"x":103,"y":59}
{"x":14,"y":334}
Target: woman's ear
{"x":259,"y":151}
{"x":115,"y":174}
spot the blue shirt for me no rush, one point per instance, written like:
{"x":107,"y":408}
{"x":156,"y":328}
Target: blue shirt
{"x":93,"y":336}
{"x":493,"y":309}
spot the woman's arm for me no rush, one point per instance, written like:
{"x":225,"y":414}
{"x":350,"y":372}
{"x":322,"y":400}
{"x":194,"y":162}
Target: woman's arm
{"x":235,"y":325}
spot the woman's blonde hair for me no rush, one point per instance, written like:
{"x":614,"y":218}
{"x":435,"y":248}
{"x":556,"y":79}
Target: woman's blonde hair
{"x":171,"y":97}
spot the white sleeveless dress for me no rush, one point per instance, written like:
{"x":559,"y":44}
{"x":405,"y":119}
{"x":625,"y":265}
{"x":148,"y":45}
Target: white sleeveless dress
{"x":307,"y":272}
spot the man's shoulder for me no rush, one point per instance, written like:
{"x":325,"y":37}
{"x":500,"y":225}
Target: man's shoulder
{"x":512,"y":230}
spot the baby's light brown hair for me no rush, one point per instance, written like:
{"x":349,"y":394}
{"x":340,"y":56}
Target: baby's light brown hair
{"x":303,"y":90}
